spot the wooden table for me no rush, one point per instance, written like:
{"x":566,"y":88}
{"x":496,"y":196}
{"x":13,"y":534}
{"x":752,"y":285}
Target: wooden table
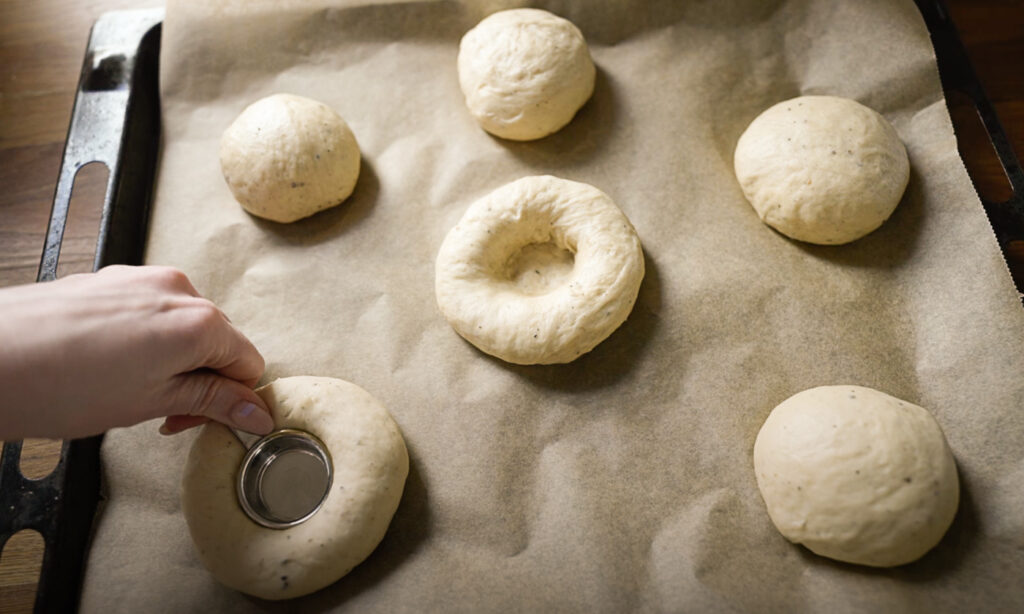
{"x":41,"y":47}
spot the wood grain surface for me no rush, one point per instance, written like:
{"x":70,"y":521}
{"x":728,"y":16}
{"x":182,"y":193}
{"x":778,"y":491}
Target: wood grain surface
{"x":42,"y":43}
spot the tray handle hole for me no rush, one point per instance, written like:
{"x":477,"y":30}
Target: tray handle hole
{"x":20,"y":562}
{"x":39,"y":457}
{"x":81,"y":231}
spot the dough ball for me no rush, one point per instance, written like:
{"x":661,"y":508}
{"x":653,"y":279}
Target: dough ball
{"x":822,"y":169}
{"x":370,"y":466}
{"x":286,"y":157}
{"x":524,"y":73}
{"x":539,"y":271}
{"x":856,"y":475}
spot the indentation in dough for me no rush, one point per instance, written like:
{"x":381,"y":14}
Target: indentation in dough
{"x":538,"y":268}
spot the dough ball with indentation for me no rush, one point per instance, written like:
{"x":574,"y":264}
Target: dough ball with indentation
{"x":856,"y":475}
{"x":524,"y":73}
{"x":370,"y":465}
{"x":287,"y":157}
{"x":822,"y":169}
{"x":539,"y":271}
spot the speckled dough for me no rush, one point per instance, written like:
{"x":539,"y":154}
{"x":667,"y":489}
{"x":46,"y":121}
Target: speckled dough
{"x":539,"y":271}
{"x":370,"y":466}
{"x":286,"y":157}
{"x":822,"y":169}
{"x":524,"y":73}
{"x":856,"y":475}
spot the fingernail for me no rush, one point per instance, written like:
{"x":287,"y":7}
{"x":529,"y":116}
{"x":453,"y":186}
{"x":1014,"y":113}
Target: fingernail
{"x":164,"y":430}
{"x":251,"y":418}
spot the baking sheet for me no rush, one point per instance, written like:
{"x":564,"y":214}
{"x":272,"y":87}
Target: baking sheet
{"x":622,"y":481}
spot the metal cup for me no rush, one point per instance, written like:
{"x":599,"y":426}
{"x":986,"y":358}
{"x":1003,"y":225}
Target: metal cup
{"x":284,"y":478}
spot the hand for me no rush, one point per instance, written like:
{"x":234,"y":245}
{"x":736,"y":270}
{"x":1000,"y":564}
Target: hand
{"x":90,"y":352}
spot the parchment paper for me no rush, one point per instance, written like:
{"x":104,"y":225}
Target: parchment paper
{"x":622,"y":481}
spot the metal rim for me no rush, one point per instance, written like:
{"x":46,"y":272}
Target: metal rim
{"x":254,"y":466}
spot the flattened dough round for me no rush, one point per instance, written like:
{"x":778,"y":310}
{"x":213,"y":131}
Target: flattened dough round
{"x":856,"y":475}
{"x":370,"y":466}
{"x":524,"y":73}
{"x":287,"y":157}
{"x":822,"y":169}
{"x":539,"y":271}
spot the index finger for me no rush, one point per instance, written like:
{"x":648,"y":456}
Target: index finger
{"x":216,"y":344}
{"x":236,"y":357}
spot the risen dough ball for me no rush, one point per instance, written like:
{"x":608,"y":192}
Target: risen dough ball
{"x":822,"y":169}
{"x":539,"y":271}
{"x":370,"y":465}
{"x":286,"y":157}
{"x":524,"y":73}
{"x":856,"y":475}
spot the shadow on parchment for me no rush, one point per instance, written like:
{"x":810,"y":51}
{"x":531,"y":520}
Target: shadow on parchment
{"x":329,"y":223}
{"x":578,"y":141}
{"x":613,"y":358}
{"x":940,"y":561}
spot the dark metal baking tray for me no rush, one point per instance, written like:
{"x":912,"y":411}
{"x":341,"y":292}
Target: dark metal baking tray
{"x":957,"y":74}
{"x":116,"y":121}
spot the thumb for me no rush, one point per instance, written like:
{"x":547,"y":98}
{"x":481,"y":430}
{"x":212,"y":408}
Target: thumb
{"x":215,"y":397}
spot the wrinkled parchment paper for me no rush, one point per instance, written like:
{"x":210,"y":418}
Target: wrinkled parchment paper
{"x":622,"y":481}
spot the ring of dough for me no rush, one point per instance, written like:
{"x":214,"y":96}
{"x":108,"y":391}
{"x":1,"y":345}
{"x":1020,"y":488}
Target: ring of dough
{"x":822,"y":169}
{"x":856,"y":475}
{"x":370,"y":466}
{"x":539,"y":271}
